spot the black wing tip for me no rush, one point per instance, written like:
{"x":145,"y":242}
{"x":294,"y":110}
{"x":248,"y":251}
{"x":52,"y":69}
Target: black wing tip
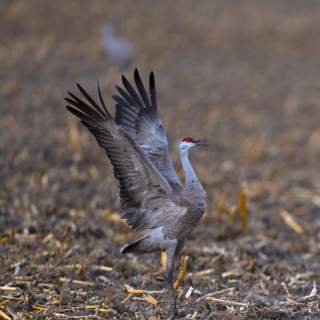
{"x":152,"y":81}
{"x":75,"y":101}
{"x":83,"y":91}
{"x":138,"y":79}
{"x":79,"y":86}
{"x":67,"y":98}
{"x":102,"y":100}
{"x":136,"y":73}
{"x":68,"y":107}
{"x":98,"y":85}
{"x":124,"y":79}
{"x":119,"y":89}
{"x":72,"y":96}
{"x":99,"y":90}
{"x":70,"y":100}
{"x":74,"y":111}
{"x":85,"y":94}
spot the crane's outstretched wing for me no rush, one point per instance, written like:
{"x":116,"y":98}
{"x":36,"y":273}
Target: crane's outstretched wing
{"x":137,"y":114}
{"x":144,"y":192}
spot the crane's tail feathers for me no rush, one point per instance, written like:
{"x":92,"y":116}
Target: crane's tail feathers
{"x":134,"y":246}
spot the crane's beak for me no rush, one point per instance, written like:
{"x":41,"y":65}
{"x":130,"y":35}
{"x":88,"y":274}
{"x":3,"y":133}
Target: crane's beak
{"x":202,"y":143}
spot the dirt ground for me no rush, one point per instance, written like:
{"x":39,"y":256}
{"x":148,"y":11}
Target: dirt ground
{"x":244,"y":75}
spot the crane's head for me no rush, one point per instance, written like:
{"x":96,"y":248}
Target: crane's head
{"x":187,"y":143}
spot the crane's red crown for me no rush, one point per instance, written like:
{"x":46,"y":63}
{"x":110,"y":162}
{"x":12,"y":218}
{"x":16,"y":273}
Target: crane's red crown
{"x":187,"y":139}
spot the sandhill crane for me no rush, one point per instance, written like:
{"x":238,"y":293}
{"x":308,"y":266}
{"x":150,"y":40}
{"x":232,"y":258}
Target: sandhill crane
{"x":151,"y":194}
{"x":120,"y":50}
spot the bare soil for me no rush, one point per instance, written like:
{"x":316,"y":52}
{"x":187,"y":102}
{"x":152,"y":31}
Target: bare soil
{"x":244,"y":75}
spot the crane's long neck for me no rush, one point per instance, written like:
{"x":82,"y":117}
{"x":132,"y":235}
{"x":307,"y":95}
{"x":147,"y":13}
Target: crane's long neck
{"x":190,"y":175}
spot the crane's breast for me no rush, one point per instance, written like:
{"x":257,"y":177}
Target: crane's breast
{"x":182,"y":228}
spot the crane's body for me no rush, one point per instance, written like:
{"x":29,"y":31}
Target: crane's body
{"x":151,"y":194}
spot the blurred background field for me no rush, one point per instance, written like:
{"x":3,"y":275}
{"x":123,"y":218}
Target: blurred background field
{"x":244,"y":75}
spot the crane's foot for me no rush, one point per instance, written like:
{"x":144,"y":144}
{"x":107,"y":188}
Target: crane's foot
{"x":170,"y":302}
{"x":172,"y":316}
{"x":173,"y":310}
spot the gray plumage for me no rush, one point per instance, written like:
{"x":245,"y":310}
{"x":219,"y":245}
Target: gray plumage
{"x":151,"y":194}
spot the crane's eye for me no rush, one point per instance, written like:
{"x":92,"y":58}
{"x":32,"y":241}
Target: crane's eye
{"x":187,"y":139}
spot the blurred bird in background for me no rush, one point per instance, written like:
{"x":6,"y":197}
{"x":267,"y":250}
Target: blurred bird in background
{"x":118,"y":49}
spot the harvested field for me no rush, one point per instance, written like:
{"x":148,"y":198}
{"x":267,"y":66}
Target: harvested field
{"x":244,"y":75}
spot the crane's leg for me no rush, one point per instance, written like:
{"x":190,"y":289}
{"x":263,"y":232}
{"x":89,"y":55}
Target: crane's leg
{"x":171,"y":257}
{"x":178,"y":250}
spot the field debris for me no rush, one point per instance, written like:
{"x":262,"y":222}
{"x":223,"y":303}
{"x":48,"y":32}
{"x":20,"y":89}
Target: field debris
{"x":234,"y":213}
{"x":77,"y":282}
{"x":291,"y":222}
{"x":189,"y":292}
{"x":143,"y":295}
{"x":4,"y":316}
{"x":182,"y":272}
{"x":130,"y":290}
{"x":163,"y":260}
{"x":228,"y":302}
{"x":227,"y":291}
{"x":147,"y":298}
{"x":243,"y":210}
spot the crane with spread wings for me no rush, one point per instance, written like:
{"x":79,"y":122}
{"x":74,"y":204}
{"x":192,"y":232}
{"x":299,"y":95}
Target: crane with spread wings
{"x":152,"y":197}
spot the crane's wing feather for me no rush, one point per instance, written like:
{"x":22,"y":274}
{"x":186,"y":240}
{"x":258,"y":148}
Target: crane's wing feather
{"x":144,"y":192}
{"x":137,"y":114}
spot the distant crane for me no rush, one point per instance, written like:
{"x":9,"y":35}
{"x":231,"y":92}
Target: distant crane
{"x":120,"y":50}
{"x":152,"y":196}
